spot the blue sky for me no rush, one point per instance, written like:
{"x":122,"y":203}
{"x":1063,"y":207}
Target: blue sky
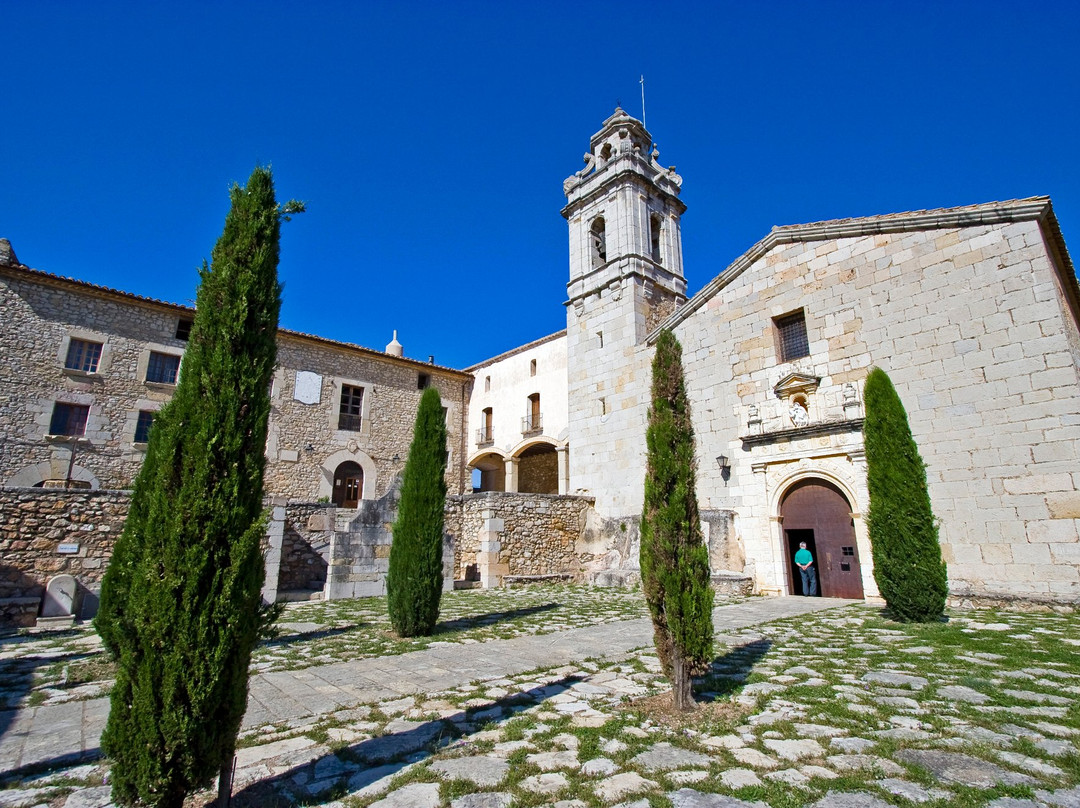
{"x":430,"y":140}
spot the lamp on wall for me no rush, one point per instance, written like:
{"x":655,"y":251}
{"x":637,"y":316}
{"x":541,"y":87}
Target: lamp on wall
{"x":309,"y":448}
{"x":722,"y":461}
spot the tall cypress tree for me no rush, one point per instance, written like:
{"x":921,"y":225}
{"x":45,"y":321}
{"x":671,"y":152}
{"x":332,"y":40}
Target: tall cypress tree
{"x":903,"y":534}
{"x":181,"y":599}
{"x":414,"y":581}
{"x":674,"y":559}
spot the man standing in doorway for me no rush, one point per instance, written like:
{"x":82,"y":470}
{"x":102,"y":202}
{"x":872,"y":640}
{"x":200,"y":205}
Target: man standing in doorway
{"x":805,"y":562}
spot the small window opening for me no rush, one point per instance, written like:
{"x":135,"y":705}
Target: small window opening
{"x":532,"y":368}
{"x":654,"y":237}
{"x":423,"y":380}
{"x":142,"y":426}
{"x":183,"y":328}
{"x":485,"y":434}
{"x":352,"y":406}
{"x":83,"y":356}
{"x":605,"y":152}
{"x":600,"y":338}
{"x":603,"y":406}
{"x":162,"y":368}
{"x":69,"y":419}
{"x":487,"y":384}
{"x":791,"y":336}
{"x":598,"y":241}
{"x":533,"y":421}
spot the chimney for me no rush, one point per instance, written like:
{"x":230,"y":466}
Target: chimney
{"x":394,"y":348}
{"x":7,"y":255}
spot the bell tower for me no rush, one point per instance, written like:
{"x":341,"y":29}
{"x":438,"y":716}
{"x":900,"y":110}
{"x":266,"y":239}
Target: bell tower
{"x":626,"y":275}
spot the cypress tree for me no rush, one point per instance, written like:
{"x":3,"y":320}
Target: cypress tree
{"x":903,"y":533}
{"x":181,"y":599}
{"x":674,"y":559}
{"x":415,"y":578}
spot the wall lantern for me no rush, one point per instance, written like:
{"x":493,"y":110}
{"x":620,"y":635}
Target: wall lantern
{"x":309,"y":448}
{"x":722,"y":461}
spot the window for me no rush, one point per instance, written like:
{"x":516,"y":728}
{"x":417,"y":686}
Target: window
{"x":791,"y":336}
{"x":532,"y":422}
{"x":654,"y":237}
{"x":142,"y":426}
{"x":183,"y":328}
{"x":69,"y":419}
{"x":422,"y":381}
{"x":487,"y":384}
{"x":352,"y":406}
{"x":600,"y":338}
{"x":83,"y":355}
{"x":532,"y":368}
{"x":598,"y":241}
{"x":484,"y":433}
{"x":162,"y":368}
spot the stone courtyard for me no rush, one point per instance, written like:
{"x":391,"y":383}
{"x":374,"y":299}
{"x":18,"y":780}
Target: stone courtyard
{"x":549,"y":696}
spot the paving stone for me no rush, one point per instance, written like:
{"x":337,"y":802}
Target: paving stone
{"x":900,"y":702}
{"x":409,"y":737}
{"x":852,"y":745}
{"x":791,"y":777}
{"x":547,"y":783}
{"x":97,"y":797}
{"x":962,"y":693}
{"x":896,"y":679}
{"x":819,"y":731}
{"x":752,"y":757}
{"x":1013,"y":802}
{"x":687,"y":777}
{"x":1054,"y":747}
{"x":482,"y":770}
{"x":1041,"y":698}
{"x":623,"y":785}
{"x":906,"y":789}
{"x":614,"y":746}
{"x":723,"y":741}
{"x":254,"y":754}
{"x":634,"y":804}
{"x":1056,"y":729}
{"x":1062,"y":798}
{"x":849,"y":799}
{"x":416,"y":795}
{"x":904,"y":734}
{"x":369,"y":782}
{"x":489,"y":799}
{"x":795,"y":750}
{"x":598,"y":767}
{"x":739,"y":778}
{"x":24,"y":797}
{"x":552,"y":761}
{"x":569,"y":804}
{"x":851,"y":763}
{"x":664,"y":757}
{"x":1030,"y":764}
{"x":689,"y":798}
{"x":818,"y":771}
{"x":953,"y":767}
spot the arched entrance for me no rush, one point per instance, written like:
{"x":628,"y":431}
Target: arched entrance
{"x":815,"y":511}
{"x":538,"y":470}
{"x":348,"y":485}
{"x":492,"y":473}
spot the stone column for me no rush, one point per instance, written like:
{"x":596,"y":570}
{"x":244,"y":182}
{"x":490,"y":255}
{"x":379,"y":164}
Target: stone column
{"x":275,"y":533}
{"x":563,"y":454}
{"x":510,"y":483}
{"x":487,"y":559}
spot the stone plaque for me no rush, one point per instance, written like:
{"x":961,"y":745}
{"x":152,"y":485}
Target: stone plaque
{"x":60,"y":597}
{"x":308,"y":387}
{"x":68,"y":548}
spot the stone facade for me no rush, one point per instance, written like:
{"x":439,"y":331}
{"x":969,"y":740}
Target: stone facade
{"x":524,"y":535}
{"x":48,"y":533}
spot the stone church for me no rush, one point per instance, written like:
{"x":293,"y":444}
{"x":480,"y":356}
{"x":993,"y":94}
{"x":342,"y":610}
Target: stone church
{"x":973,"y":312}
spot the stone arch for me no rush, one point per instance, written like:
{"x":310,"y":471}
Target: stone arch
{"x":491,"y":463}
{"x":329,"y":467}
{"x":537,"y":466}
{"x":33,"y":476}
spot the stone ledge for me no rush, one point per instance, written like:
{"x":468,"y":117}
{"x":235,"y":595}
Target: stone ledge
{"x":811,"y":431}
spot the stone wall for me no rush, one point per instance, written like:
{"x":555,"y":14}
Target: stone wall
{"x":538,"y":534}
{"x":33,"y":526}
{"x":305,"y":551}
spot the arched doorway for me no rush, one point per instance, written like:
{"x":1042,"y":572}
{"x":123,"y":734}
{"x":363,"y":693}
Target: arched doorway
{"x":538,"y":470}
{"x":348,"y":485}
{"x":491,"y":470}
{"x":815,"y":511}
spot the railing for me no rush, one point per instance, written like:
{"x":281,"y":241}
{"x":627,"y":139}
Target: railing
{"x":533,"y":422}
{"x":352,"y":423}
{"x":484,"y":435}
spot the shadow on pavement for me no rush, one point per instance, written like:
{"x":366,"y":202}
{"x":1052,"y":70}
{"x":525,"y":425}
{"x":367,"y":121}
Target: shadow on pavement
{"x":491,"y":617}
{"x":336,"y":774}
{"x":730,"y":670}
{"x":17,"y":677}
{"x":304,"y":636}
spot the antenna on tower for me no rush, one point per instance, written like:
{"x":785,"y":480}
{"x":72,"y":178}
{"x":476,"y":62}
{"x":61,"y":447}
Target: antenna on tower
{"x":643,"y":100}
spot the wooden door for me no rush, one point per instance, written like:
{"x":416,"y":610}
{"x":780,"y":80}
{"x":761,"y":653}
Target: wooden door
{"x":818,"y":506}
{"x":348,"y":485}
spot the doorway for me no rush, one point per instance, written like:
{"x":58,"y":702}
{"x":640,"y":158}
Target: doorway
{"x":348,"y":485}
{"x":815,"y":511}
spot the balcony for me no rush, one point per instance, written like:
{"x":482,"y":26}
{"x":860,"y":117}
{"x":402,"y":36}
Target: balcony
{"x":485,"y":436}
{"x":532,"y":424}
{"x":351,"y":423}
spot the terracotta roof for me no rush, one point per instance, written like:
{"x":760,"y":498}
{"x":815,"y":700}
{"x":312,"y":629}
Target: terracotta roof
{"x":512,"y":351}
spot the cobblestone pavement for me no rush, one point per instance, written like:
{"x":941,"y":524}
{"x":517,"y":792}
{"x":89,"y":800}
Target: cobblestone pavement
{"x":806,"y":705}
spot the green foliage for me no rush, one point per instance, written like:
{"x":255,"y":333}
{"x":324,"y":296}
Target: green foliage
{"x":674,"y":559}
{"x":181,"y":599}
{"x":903,"y":534}
{"x":414,"y":581}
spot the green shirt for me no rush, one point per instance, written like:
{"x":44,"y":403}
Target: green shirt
{"x":803,"y":557}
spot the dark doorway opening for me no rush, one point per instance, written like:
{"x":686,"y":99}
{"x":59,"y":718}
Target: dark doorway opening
{"x":794,"y":573}
{"x":348,"y":485}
